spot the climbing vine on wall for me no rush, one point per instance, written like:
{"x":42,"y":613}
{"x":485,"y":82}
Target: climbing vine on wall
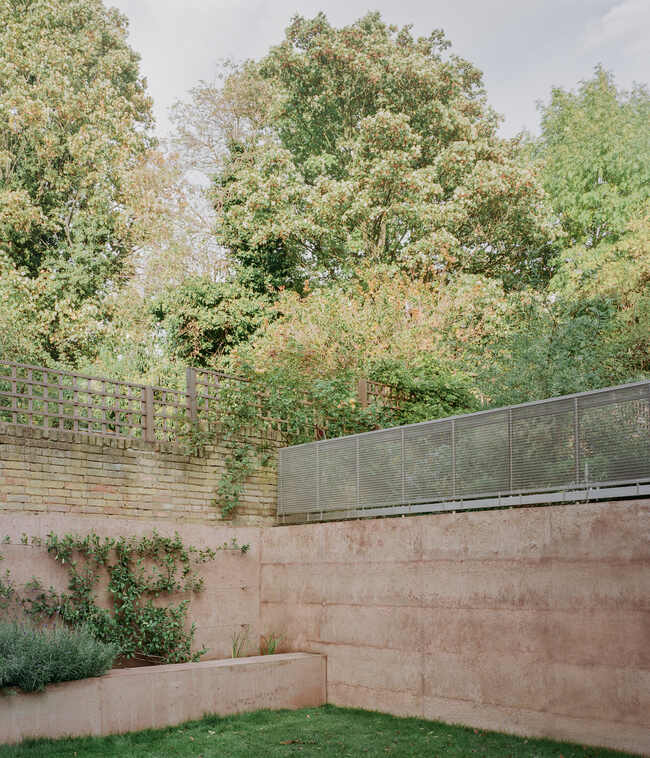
{"x":149,"y":581}
{"x":251,"y":419}
{"x":283,"y":406}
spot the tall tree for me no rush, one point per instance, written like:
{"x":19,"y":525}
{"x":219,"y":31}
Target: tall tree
{"x":596,"y":146}
{"x":74,"y":124}
{"x":378,"y":145}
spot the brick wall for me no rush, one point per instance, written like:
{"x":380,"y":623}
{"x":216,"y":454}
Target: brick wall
{"x":68,"y":472}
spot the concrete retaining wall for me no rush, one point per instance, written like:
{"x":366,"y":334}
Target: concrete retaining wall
{"x":228,"y":602}
{"x":70,"y":472}
{"x":534,"y":621}
{"x":145,"y":698}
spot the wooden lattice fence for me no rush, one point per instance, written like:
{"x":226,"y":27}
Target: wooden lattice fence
{"x":47,"y":398}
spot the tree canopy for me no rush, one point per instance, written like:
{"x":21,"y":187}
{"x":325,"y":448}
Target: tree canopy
{"x":377,"y":146}
{"x":595,"y":143}
{"x":74,"y":123}
{"x":363,"y":218}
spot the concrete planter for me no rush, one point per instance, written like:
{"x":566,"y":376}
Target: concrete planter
{"x":157,"y":696}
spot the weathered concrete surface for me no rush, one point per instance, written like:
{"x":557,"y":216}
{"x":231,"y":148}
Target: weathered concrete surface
{"x":144,"y":698}
{"x":534,"y":621}
{"x":70,"y":472}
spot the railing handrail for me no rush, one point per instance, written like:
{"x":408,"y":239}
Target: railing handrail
{"x":594,"y":439}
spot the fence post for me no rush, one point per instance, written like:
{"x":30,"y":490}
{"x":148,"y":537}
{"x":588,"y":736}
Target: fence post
{"x":149,"y":428}
{"x":14,"y":395}
{"x":190,"y":389}
{"x":362,"y":391}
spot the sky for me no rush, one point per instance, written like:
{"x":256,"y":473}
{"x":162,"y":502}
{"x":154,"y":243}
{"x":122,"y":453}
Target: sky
{"x":523,"y":47}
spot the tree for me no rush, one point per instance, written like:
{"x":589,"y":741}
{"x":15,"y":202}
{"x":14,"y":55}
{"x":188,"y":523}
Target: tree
{"x":377,"y":146}
{"x":589,"y":329}
{"x":379,"y":324}
{"x":203,"y":319}
{"x":74,"y":123}
{"x":596,"y":147}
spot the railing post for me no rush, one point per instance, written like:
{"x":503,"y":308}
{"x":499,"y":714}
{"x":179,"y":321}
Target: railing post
{"x":190,"y":389}
{"x":357,"y":470}
{"x":403,"y":469}
{"x":362,"y":391}
{"x":576,"y":437}
{"x":318,"y":481}
{"x":453,"y":458}
{"x":510,"y":449}
{"x":149,"y":427}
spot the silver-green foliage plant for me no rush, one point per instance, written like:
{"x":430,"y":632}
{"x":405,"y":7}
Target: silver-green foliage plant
{"x":31,"y":658}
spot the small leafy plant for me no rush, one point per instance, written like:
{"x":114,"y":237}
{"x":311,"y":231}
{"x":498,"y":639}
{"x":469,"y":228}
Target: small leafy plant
{"x":270,"y":643}
{"x":31,"y":658}
{"x":240,"y":641}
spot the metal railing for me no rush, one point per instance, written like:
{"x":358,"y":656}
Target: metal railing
{"x":585,"y":446}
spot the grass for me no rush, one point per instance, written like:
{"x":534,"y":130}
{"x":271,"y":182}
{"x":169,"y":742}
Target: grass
{"x":326,"y":731}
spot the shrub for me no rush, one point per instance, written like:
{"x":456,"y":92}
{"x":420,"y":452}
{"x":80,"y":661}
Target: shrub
{"x":31,"y":658}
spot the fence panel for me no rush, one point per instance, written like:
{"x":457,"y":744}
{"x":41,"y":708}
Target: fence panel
{"x":44,"y":398}
{"x":586,"y":446}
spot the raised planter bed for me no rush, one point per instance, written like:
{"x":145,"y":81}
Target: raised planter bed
{"x":132,"y":699}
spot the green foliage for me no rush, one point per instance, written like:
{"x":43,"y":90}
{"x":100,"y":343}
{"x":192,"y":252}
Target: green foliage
{"x":32,"y":658}
{"x":430,"y":392}
{"x":288,"y":404}
{"x":590,"y":329}
{"x":240,"y":640}
{"x":555,"y":349}
{"x":596,"y":147}
{"x":202,"y":318}
{"x":74,"y":121}
{"x":7,"y":590}
{"x":139,"y":574}
{"x":378,"y":146}
{"x":271,"y":642}
{"x":311,"y":733}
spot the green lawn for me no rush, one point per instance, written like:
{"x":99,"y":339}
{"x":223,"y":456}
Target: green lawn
{"x":326,"y":731}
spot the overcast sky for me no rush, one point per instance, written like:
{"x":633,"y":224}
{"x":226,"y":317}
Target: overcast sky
{"x":524,"y":47}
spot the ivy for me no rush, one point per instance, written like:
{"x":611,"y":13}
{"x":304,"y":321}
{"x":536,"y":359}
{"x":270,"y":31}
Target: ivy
{"x":252,"y":417}
{"x":149,"y":580}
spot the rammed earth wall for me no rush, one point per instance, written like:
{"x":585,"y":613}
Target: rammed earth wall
{"x":71,"y":472}
{"x":534,"y":621}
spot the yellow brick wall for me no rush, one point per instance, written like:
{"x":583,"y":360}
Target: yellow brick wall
{"x":70,"y":472}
